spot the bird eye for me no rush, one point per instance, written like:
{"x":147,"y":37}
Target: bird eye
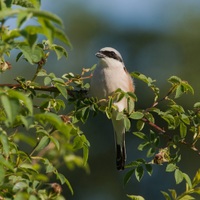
{"x":112,"y":54}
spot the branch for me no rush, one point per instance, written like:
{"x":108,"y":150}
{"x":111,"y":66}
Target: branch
{"x":72,"y":93}
{"x":154,"y":125}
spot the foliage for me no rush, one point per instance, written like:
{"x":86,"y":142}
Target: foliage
{"x":31,"y":115}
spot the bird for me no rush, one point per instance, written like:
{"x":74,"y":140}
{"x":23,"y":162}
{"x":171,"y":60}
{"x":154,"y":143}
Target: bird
{"x":109,"y":75}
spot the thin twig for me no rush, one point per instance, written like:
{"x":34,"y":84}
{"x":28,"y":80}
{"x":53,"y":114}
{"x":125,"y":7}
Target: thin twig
{"x":154,"y":125}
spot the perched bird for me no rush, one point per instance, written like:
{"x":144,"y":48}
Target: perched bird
{"x":109,"y":75}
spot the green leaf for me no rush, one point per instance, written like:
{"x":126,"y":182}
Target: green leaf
{"x":19,"y":186}
{"x":149,"y":169}
{"x":188,"y":180}
{"x":63,"y":180}
{"x":166,"y":195}
{"x":196,"y":179}
{"x":144,"y":145}
{"x":4,"y":142}
{"x":55,"y":141}
{"x":120,"y":115}
{"x":60,"y":34}
{"x":197,"y":105}
{"x":171,"y":167}
{"x":33,"y":55}
{"x":127,"y":123}
{"x":136,"y":115}
{"x":186,"y":197}
{"x":178,"y":176}
{"x":11,"y":107}
{"x":62,"y":89}
{"x":135,"y":197}
{"x":54,"y":120}
{"x":85,"y":154}
{"x":6,"y":163}
{"x":128,"y":175}
{"x":140,"y":135}
{"x":174,"y":80}
{"x":23,"y":98}
{"x":2,"y":174}
{"x":43,"y":143}
{"x":185,"y":119}
{"x":60,"y":51}
{"x":183,"y":130}
{"x":173,"y":193}
{"x":139,"y":172}
{"x":179,"y":91}
{"x":140,"y":125}
{"x":21,"y":18}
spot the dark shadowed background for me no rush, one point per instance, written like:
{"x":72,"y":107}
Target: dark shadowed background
{"x":155,"y":37}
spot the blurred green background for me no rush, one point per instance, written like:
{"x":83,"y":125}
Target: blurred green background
{"x":155,"y":37}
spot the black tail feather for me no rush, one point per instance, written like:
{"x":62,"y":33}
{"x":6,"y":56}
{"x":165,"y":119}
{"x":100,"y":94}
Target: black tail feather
{"x":121,"y":157}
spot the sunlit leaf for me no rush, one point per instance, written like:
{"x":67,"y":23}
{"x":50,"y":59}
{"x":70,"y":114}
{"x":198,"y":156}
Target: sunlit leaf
{"x":187,"y":197}
{"x":178,"y":176}
{"x":135,"y":197}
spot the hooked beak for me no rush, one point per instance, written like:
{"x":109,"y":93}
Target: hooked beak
{"x":99,"y":55}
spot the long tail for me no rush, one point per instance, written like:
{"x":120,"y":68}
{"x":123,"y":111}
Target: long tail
{"x":119,"y":130}
{"x":121,"y":153}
